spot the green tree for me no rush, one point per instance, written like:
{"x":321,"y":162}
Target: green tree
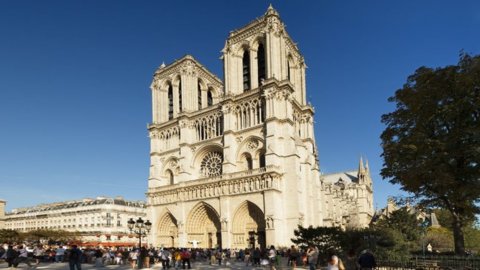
{"x":398,"y":234}
{"x":9,"y":236}
{"x":431,"y":144}
{"x":326,"y":239}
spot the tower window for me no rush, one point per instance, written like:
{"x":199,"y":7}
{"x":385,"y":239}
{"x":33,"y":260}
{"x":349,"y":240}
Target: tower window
{"x":180,"y":95}
{"x":209,"y":98}
{"x":288,"y":70}
{"x":170,"y":102}
{"x":261,"y":63}
{"x":262,"y":160}
{"x":249,"y":164}
{"x":199,"y":96}
{"x":246,"y":70}
{"x":170,"y":177}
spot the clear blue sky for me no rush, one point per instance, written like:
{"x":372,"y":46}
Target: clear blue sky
{"x":75,"y":76}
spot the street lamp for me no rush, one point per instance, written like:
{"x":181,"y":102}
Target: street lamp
{"x":140,"y":228}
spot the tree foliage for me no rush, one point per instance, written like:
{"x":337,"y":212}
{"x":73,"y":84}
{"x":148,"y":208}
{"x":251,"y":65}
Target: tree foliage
{"x":327,"y":239}
{"x":431,"y":144}
{"x":9,"y":236}
{"x":403,"y":222}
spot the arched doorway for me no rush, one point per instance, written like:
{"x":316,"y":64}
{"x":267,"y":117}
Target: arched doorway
{"x":203,"y":227}
{"x":167,"y":235}
{"x":248,"y":226}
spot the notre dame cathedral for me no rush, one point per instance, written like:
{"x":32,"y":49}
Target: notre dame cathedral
{"x":234,"y":163}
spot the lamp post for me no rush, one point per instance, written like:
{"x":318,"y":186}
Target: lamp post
{"x":140,"y":228}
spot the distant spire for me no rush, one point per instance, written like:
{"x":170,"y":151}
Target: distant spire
{"x":367,"y":168}
{"x":162,"y":65}
{"x":361,"y":169}
{"x":271,"y":11}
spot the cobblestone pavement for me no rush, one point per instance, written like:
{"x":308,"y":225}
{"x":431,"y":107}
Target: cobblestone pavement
{"x":202,"y":265}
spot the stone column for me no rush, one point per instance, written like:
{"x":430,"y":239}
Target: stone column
{"x":253,"y":68}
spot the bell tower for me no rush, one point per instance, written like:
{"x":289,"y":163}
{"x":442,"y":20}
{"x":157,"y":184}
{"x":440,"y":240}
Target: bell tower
{"x":261,"y":51}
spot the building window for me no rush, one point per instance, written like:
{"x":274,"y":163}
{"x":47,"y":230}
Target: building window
{"x":179,"y":94}
{"x":199,"y":95}
{"x":261,"y":63}
{"x":248,"y":160}
{"x":170,"y":101}
{"x":211,"y":164}
{"x":262,"y":160}
{"x":170,"y":177}
{"x":246,"y":70}
{"x":209,"y":98}
{"x":288,"y":70}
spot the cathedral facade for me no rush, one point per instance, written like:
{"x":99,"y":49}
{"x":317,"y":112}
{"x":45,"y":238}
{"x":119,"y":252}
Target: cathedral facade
{"x":234,"y":163}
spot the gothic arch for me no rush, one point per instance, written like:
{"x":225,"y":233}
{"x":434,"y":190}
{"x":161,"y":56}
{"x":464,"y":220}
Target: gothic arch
{"x":203,"y":225}
{"x":173,"y":164}
{"x":257,"y":40}
{"x":244,"y":146}
{"x":203,"y":151}
{"x":246,"y":161}
{"x":248,"y":221}
{"x":167,"y":230}
{"x":208,"y":152}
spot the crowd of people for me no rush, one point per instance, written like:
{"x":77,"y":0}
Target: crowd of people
{"x":181,"y":258}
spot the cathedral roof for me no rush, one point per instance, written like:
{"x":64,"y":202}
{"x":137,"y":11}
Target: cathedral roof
{"x":177,"y":65}
{"x":345,"y":177}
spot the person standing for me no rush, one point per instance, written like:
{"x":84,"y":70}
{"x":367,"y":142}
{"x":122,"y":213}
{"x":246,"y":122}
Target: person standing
{"x":11,"y":256}
{"x":133,"y":256}
{"x":335,"y":263}
{"x":75,"y":258}
{"x":367,"y":260}
{"x":272,"y":255}
{"x":60,"y":252}
{"x":186,"y":259}
{"x":312,"y":257}
{"x":38,"y":254}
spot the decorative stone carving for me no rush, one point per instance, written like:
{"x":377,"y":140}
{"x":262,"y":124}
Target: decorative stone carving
{"x":188,"y":68}
{"x":239,"y":139}
{"x":269,"y":222}
{"x":252,"y":144}
{"x":274,"y":25}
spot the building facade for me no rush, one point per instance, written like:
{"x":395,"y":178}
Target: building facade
{"x":100,"y":220}
{"x":2,"y":213}
{"x":234,"y":163}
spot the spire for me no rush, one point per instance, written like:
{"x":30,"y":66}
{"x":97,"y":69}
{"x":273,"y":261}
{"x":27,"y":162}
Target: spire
{"x":162,"y":65}
{"x":367,"y":168}
{"x":361,"y":169}
{"x":271,"y":11}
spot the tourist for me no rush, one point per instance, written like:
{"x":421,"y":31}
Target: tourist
{"x":59,"y":254}
{"x":293,"y":256}
{"x":38,"y":254}
{"x":367,"y":260}
{"x":256,"y":257}
{"x":334,"y":263}
{"x":22,"y":257}
{"x":133,"y":257}
{"x":11,"y":255}
{"x":272,"y":256}
{"x":75,"y":258}
{"x":186,"y":258}
{"x":312,"y":257}
{"x":351,"y":260}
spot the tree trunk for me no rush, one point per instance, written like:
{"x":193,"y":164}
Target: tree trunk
{"x":458,"y":237}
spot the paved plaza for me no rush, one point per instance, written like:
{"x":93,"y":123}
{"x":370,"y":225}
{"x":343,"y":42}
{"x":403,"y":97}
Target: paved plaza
{"x":201,"y":265}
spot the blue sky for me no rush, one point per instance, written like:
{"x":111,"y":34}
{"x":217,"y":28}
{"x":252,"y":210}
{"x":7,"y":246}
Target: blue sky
{"x":75,"y":76}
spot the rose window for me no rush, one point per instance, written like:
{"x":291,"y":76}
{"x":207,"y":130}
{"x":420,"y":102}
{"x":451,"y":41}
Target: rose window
{"x":212,"y":164}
